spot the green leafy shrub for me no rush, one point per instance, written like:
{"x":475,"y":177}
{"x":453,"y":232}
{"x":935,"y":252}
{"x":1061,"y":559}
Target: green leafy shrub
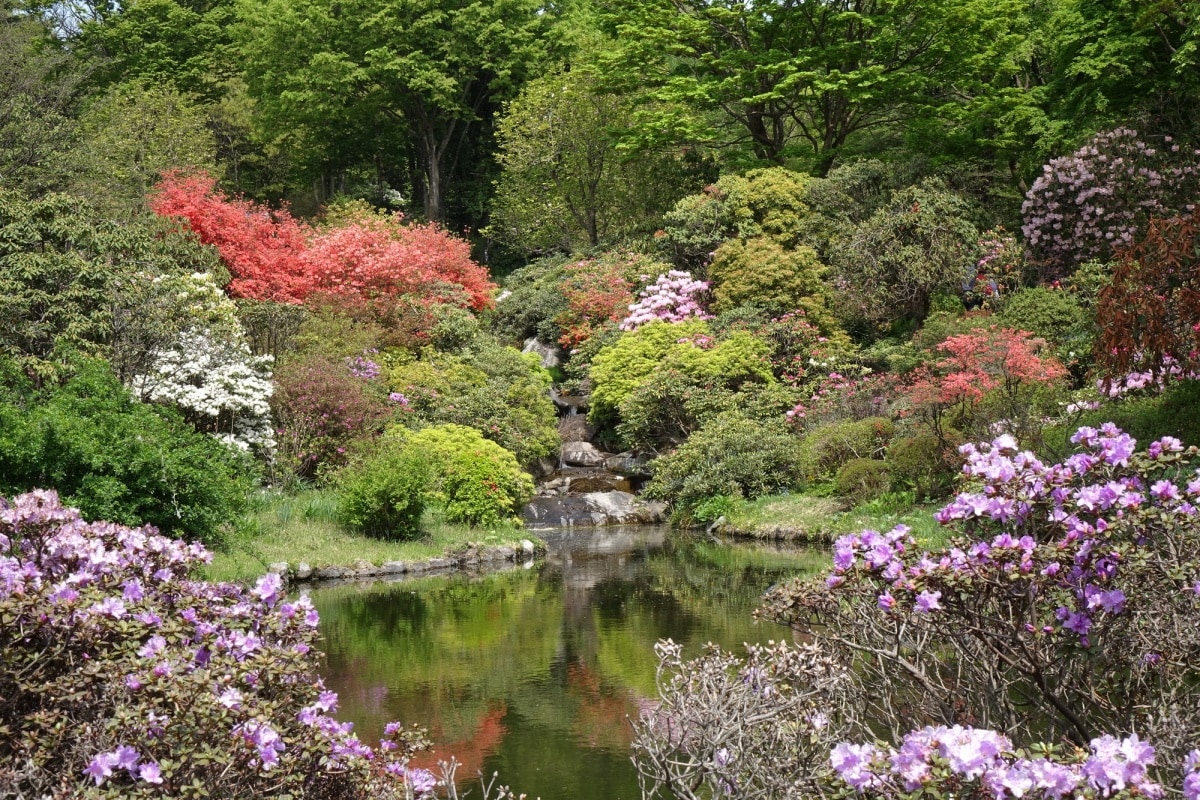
{"x":476,"y":480}
{"x":862,"y":479}
{"x":497,"y":390}
{"x":714,"y":508}
{"x":1056,"y":316}
{"x":688,"y":347}
{"x":453,"y":328}
{"x":383,"y":495}
{"x":926,"y":464}
{"x":668,"y":407}
{"x":827,"y":448}
{"x":731,"y":456}
{"x":117,"y":459}
{"x":72,"y":281}
{"x":760,"y":272}
{"x":765,"y":202}
{"x":891,"y":265}
{"x":534,"y":304}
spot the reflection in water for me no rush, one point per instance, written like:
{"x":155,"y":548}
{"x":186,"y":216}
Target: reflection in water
{"x":534,"y":673}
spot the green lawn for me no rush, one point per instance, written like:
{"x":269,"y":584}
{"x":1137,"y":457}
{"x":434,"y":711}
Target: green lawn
{"x":303,"y":527}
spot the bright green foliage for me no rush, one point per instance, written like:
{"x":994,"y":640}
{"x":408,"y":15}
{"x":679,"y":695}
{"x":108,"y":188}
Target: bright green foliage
{"x":862,"y":479}
{"x":892,"y":264}
{"x":1123,"y":59}
{"x":688,"y":347}
{"x":133,"y":135}
{"x":496,"y":390}
{"x":478,"y":481}
{"x":565,"y":185}
{"x":667,"y":407}
{"x":826,"y":449}
{"x":181,"y":46}
{"x":808,"y":74}
{"x":117,"y":459}
{"x":384,"y":494}
{"x":424,"y":383}
{"x":759,"y":272}
{"x":64,"y":274}
{"x":37,"y":88}
{"x":764,"y":202}
{"x":732,"y":456}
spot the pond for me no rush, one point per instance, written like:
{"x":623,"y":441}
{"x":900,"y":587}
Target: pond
{"x":535,"y":672}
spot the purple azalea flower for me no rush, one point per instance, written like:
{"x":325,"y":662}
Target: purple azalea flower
{"x":150,"y":772}
{"x":927,"y":601}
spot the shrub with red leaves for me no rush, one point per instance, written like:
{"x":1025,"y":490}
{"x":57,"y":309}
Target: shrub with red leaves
{"x":365,"y":259}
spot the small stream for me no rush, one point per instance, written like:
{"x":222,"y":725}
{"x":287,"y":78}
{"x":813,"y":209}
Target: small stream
{"x":534,"y":672}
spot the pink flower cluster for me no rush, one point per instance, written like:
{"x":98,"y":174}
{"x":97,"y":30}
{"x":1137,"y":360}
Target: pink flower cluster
{"x":123,"y":599}
{"x":1096,"y":199}
{"x":1146,"y":381}
{"x":673,"y":297}
{"x":935,"y":754}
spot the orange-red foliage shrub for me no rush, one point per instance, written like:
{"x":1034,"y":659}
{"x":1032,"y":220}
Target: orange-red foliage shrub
{"x":365,"y":259}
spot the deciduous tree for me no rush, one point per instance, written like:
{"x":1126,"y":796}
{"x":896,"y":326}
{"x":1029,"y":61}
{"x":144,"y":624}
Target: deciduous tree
{"x":810,"y":71}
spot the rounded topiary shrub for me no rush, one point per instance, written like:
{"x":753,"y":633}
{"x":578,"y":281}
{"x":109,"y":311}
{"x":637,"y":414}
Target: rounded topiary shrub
{"x":763,"y":273}
{"x":862,"y":479}
{"x":384,"y":494}
{"x":476,"y":480}
{"x":1054,"y":315}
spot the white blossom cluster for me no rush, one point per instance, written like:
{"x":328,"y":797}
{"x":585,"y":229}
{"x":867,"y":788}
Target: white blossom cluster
{"x":210,"y":373}
{"x":220,"y":387}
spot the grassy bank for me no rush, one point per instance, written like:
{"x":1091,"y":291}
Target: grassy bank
{"x":303,"y":527}
{"x":805,"y":517}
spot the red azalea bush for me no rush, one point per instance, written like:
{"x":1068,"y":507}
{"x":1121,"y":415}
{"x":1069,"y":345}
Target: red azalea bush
{"x":598,"y":291}
{"x":989,"y":362}
{"x":123,"y":677}
{"x":365,"y":258}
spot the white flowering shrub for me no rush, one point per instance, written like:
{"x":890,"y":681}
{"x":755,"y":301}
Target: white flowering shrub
{"x":209,"y":373}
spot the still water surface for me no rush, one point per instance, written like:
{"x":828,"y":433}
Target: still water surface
{"x":535,"y":672}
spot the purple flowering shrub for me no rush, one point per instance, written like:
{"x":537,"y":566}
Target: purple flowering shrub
{"x":1097,"y":199}
{"x":1050,"y":651}
{"x":1065,"y":610}
{"x":123,"y":677}
{"x":978,"y":763}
